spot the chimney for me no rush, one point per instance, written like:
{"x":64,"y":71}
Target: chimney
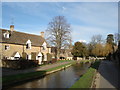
{"x":11,"y":27}
{"x":42,"y":34}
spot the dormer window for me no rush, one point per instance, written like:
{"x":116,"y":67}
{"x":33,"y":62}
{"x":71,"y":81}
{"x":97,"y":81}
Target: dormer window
{"x":6,"y":35}
{"x":44,"y":46}
{"x":28,"y":44}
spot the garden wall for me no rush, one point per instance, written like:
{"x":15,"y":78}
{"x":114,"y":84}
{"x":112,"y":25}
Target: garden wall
{"x":19,"y":64}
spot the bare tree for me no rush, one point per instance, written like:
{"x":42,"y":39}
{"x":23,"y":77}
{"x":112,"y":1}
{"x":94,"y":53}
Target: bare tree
{"x":96,"y":39}
{"x":59,"y":33}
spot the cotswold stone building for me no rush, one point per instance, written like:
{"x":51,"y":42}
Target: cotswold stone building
{"x":16,"y":45}
{"x":64,"y":53}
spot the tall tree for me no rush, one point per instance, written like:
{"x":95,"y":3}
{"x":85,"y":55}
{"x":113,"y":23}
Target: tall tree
{"x":59,"y":33}
{"x":110,"y":39}
{"x":98,"y":50}
{"x":90,"y":47}
{"x":79,"y":50}
{"x":96,"y":40}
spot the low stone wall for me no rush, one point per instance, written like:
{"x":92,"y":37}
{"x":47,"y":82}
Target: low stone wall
{"x":19,"y":64}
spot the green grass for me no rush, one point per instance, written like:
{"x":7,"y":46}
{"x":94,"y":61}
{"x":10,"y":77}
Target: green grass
{"x":61,"y":61}
{"x":86,"y":61}
{"x":12,"y":78}
{"x":86,"y":80}
{"x":51,"y":69}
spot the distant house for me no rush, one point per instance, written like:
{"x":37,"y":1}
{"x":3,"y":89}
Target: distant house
{"x":64,"y":53}
{"x":16,"y":45}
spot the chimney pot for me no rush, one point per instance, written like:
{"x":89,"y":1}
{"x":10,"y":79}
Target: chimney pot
{"x":11,"y":27}
{"x":42,"y":34}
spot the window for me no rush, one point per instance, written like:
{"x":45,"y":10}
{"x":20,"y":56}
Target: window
{"x":29,"y":57}
{"x":39,"y":56}
{"x":44,"y":46}
{"x":7,"y":47}
{"x":6,"y":35}
{"x":28,"y":44}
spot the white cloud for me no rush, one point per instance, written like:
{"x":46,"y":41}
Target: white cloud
{"x":83,"y":41}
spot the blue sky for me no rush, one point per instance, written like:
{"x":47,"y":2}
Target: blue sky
{"x":86,"y":18}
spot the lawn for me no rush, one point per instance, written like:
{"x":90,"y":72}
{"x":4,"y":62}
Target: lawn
{"x":64,"y":61}
{"x":86,"y":80}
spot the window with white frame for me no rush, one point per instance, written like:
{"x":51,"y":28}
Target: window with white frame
{"x":7,"y":47}
{"x":44,"y":46}
{"x":28,"y":44}
{"x":6,"y":35}
{"x":29,"y":57}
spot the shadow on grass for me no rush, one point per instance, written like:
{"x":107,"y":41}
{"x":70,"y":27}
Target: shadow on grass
{"x":96,"y":64}
{"x":13,"y":80}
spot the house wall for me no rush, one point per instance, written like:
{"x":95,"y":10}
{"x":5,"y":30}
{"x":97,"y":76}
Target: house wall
{"x":22,"y":48}
{"x":33,"y":49}
{"x":13,"y":48}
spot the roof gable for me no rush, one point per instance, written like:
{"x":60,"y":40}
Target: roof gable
{"x":28,"y":41}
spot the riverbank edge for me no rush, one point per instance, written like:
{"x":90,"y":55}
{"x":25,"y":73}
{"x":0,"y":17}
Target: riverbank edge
{"x":93,"y":81}
{"x":48,"y":71}
{"x":93,"y":67}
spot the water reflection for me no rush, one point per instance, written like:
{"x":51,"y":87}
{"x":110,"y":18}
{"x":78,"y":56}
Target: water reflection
{"x":61,"y":79}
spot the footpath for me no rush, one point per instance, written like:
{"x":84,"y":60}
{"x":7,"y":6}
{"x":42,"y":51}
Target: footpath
{"x":7,"y":72}
{"x":107,"y":76}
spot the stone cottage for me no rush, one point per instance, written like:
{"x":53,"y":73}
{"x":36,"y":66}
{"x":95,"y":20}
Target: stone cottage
{"x":64,"y":54}
{"x":16,"y":45}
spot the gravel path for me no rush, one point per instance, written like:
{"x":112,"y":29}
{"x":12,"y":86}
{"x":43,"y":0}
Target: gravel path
{"x":6,"y":72}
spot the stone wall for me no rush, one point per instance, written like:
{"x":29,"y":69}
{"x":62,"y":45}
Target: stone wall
{"x":19,"y":64}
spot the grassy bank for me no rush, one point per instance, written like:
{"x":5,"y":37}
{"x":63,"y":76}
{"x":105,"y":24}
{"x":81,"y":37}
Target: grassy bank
{"x":87,"y":61}
{"x":61,"y":61}
{"x":22,"y":77}
{"x":86,"y":80}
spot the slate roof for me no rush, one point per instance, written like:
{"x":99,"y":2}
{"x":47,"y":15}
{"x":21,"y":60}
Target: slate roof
{"x":21,"y":38}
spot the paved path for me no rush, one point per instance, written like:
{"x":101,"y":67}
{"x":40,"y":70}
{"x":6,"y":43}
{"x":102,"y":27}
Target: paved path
{"x":6,"y":72}
{"x":107,"y":76}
